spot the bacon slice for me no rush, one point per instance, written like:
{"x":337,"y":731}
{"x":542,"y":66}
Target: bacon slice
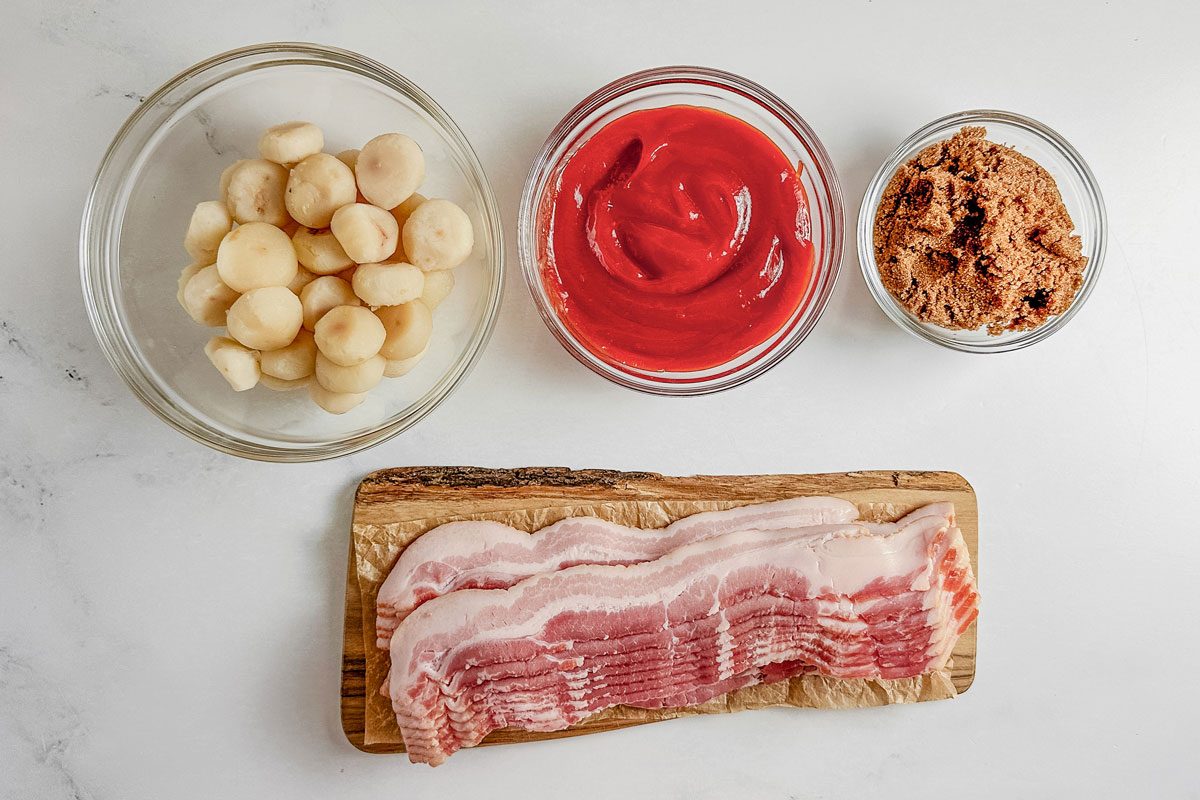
{"x":489,"y":555}
{"x":733,"y":610}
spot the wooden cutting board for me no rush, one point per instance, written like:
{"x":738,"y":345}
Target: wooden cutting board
{"x":412,"y":493}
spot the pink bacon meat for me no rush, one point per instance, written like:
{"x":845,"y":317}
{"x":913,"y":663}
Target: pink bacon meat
{"x":737,"y":609}
{"x":490,"y":555}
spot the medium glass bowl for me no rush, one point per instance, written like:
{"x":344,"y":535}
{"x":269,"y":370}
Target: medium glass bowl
{"x":734,"y":95}
{"x":1076,"y":184}
{"x":168,"y":156}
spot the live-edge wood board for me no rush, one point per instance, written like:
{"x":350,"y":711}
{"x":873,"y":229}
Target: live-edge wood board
{"x":417,"y":492}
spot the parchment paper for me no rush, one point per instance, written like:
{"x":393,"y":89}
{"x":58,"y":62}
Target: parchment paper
{"x":378,"y":546}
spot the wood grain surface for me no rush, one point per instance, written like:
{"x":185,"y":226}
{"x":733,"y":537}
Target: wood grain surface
{"x":411,"y":493}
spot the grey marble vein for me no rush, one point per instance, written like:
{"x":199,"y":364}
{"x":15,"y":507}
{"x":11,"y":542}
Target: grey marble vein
{"x":129,"y":94}
{"x":38,"y":714}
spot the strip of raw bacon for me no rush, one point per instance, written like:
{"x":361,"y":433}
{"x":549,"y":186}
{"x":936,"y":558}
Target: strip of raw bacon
{"x":871,"y":601}
{"x":490,"y":555}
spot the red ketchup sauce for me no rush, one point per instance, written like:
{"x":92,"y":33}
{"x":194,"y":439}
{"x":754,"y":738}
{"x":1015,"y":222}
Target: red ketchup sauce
{"x":675,"y":239}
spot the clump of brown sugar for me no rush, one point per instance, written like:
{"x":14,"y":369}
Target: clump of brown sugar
{"x":971,"y":233}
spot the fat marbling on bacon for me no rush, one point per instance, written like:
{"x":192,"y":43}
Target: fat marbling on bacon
{"x":478,"y":554}
{"x":854,"y":600}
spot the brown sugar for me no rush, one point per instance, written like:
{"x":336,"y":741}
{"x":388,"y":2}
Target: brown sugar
{"x":971,"y":233}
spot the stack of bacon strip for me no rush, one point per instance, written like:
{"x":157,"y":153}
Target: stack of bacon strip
{"x":722,"y":611}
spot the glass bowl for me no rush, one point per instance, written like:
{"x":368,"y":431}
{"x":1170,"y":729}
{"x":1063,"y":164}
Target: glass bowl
{"x":1076,"y":184}
{"x":734,"y":95}
{"x":168,"y":156}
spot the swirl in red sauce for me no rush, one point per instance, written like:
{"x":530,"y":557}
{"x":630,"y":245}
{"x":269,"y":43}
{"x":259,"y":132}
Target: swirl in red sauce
{"x":675,"y":239}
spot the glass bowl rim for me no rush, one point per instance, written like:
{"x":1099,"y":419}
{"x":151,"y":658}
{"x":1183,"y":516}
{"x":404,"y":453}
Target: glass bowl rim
{"x":689,"y":79}
{"x":98,"y":273}
{"x":1094,"y":210}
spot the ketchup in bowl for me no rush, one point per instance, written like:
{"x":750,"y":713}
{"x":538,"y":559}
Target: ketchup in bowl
{"x":675,"y":239}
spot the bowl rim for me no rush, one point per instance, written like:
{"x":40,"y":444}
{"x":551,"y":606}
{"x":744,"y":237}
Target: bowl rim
{"x":1094,"y":209}
{"x":97,"y":272}
{"x":688,"y":79}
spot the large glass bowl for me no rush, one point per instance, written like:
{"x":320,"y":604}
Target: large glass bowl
{"x":734,"y":95}
{"x":168,"y":156}
{"x":1076,"y":184}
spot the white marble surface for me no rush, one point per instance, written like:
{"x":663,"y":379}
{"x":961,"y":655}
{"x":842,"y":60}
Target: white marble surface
{"x":170,"y":617}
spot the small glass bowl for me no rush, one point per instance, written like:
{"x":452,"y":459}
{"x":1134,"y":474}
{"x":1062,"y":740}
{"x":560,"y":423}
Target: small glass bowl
{"x":168,"y":156}
{"x":1079,"y":192}
{"x":734,"y":95}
